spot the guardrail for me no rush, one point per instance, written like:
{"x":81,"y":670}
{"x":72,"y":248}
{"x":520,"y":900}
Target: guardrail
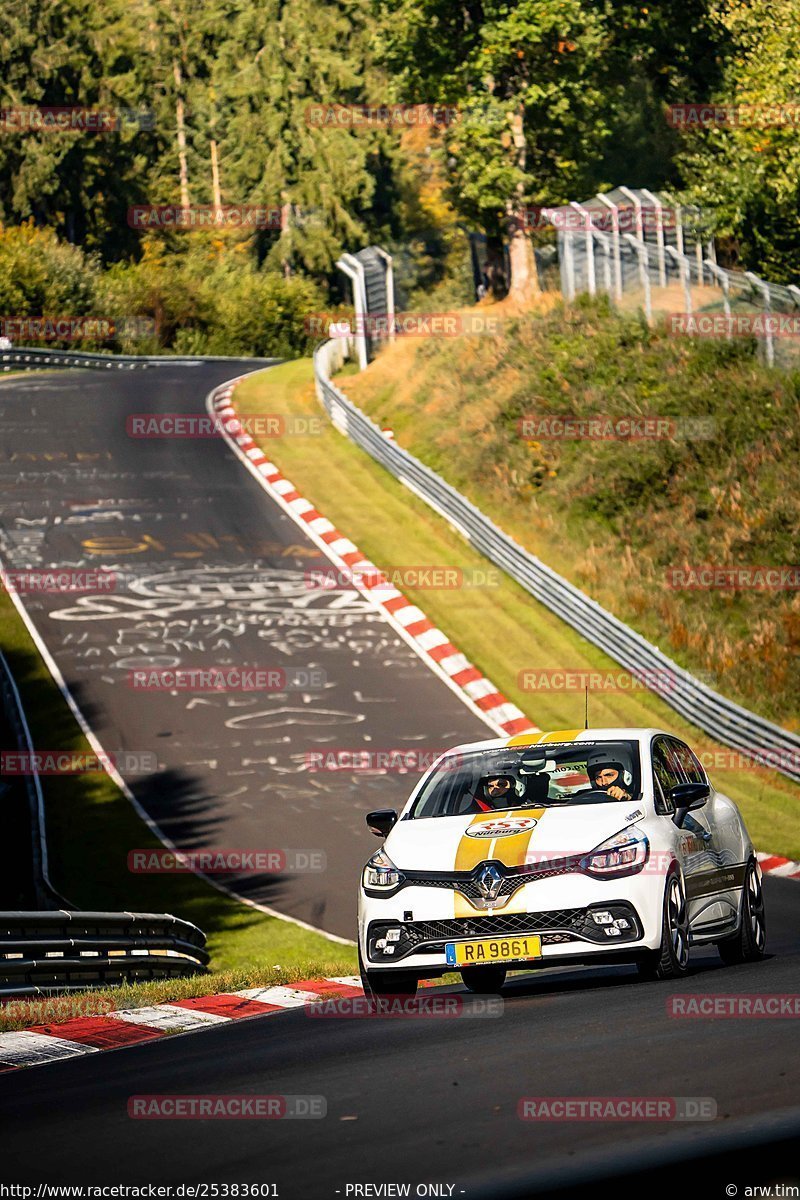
{"x":717,"y":716}
{"x":43,"y":952}
{"x":44,"y":891}
{"x":34,"y":358}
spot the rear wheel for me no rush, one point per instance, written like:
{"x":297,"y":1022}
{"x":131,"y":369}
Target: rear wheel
{"x":386,"y":983}
{"x":747,"y":944}
{"x":484,"y":981}
{"x":671,"y":960}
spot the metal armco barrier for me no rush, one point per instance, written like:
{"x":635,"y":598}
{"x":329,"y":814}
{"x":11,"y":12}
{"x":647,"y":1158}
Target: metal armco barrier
{"x":43,"y":952}
{"x":717,"y":716}
{"x":36,"y":358}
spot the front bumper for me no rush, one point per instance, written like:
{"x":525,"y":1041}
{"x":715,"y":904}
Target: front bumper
{"x":561,"y":911}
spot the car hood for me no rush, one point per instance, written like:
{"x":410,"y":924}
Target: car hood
{"x":513,"y":838}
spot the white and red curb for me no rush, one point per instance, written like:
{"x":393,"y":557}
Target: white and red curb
{"x":128,"y":1027}
{"x":430,"y":643}
{"x":774,"y":864}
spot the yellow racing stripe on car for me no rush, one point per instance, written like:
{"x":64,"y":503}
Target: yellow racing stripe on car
{"x":510,"y":850}
{"x":557,"y":735}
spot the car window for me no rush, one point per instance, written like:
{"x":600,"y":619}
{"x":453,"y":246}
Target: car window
{"x":666,"y":774}
{"x":690,"y":766}
{"x":549,"y":774}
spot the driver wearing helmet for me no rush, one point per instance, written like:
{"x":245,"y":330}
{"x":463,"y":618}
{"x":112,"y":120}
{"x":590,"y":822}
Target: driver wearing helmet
{"x":608,"y":775}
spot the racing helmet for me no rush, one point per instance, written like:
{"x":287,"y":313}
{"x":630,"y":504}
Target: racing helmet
{"x":609,"y":758}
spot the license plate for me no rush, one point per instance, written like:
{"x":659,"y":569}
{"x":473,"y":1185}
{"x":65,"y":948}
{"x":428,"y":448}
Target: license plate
{"x":492,"y":950}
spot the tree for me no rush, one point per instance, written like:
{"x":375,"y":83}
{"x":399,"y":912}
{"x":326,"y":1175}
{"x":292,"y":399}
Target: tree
{"x":746,"y":175}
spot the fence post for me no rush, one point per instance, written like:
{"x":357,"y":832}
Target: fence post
{"x":591,"y":282}
{"x":360,"y":307}
{"x":769,"y":343}
{"x":644,"y":273}
{"x":615,"y":236}
{"x":569,"y":264}
{"x":387,"y":258}
{"x":722,"y":276}
{"x":662,"y":262}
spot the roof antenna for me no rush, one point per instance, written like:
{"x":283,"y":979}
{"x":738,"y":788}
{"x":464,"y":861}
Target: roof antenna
{"x":586,"y":710}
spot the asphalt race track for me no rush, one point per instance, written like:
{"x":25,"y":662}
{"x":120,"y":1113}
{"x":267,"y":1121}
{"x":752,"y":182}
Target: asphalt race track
{"x":210,"y":572}
{"x":434,"y":1100}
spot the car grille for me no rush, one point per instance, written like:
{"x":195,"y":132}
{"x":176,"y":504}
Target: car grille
{"x":498,"y":925}
{"x":555,"y":926}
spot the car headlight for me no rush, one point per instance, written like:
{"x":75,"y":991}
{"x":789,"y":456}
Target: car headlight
{"x":380,"y":872}
{"x":623,"y":854}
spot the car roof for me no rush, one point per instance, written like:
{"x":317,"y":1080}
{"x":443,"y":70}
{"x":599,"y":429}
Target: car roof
{"x":539,"y":737}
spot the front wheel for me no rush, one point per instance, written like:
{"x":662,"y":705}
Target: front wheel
{"x":483,"y":981}
{"x":671,"y":960}
{"x":747,"y":944}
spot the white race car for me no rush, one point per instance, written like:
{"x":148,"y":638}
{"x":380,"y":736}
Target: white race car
{"x":553,"y":849}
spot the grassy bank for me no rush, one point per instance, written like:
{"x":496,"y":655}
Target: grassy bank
{"x":500,"y":627}
{"x":719,"y":486}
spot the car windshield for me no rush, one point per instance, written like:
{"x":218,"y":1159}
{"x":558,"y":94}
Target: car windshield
{"x":542,"y":776}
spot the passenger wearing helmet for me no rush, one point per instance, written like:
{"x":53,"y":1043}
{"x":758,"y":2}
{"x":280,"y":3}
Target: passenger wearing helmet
{"x":608,"y":775}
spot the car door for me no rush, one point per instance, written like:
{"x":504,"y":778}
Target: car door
{"x":713,"y":895}
{"x":691,"y":841}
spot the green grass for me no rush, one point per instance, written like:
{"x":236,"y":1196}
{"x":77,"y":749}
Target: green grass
{"x":53,"y":1010}
{"x":501,"y":628}
{"x":91,"y":827}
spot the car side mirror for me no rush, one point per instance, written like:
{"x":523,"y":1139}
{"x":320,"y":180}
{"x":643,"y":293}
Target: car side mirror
{"x":382,"y":821}
{"x":686,"y":797}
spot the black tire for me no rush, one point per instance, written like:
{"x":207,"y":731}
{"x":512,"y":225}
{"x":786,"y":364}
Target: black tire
{"x":750,"y":939}
{"x":484,"y":981}
{"x":386,"y":983}
{"x":671,"y":960}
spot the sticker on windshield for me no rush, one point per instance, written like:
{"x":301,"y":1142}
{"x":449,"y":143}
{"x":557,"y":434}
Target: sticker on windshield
{"x":502,"y":828}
